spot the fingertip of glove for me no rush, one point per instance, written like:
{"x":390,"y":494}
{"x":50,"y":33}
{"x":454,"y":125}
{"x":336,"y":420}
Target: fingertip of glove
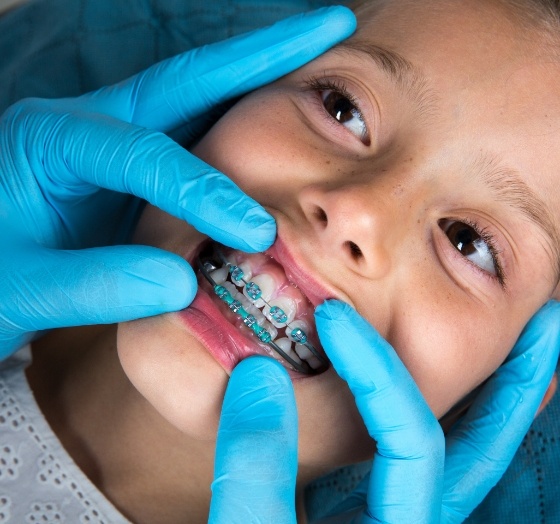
{"x":172,"y":275}
{"x":337,"y":19}
{"x":239,"y":222}
{"x":259,"y":396}
{"x":548,"y":315}
{"x":263,"y":369}
{"x":181,"y":283}
{"x":262,"y":232}
{"x":551,"y":307}
{"x":332,"y":309}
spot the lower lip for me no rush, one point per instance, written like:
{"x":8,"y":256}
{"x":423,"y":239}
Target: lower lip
{"x":223,"y":341}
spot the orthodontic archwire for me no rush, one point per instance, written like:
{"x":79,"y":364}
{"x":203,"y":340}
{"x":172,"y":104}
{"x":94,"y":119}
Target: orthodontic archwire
{"x":297,"y":334}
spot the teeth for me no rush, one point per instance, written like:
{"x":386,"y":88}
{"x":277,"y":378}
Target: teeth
{"x":303,"y":351}
{"x":286,"y":346}
{"x":301,"y":324}
{"x":242,"y":274}
{"x":219,"y":275}
{"x":231,"y":288}
{"x":266,"y":285}
{"x":256,"y":312}
{"x":282,"y":311}
{"x":270,"y":328}
{"x":314,"y":362}
{"x":306,"y":354}
{"x":244,"y":301}
{"x":255,"y":293}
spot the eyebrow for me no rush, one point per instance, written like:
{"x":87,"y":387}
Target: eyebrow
{"x":401,"y":71}
{"x":509,"y":187}
{"x":505,"y":182}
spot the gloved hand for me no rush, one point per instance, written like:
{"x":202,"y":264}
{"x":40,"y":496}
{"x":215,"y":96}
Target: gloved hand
{"x":256,"y":451}
{"x":68,"y":169}
{"x":416,"y":476}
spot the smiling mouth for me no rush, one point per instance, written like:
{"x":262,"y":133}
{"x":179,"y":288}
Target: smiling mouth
{"x":264,"y":305}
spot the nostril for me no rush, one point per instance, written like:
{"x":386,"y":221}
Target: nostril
{"x":354,"y":250}
{"x":321,"y":216}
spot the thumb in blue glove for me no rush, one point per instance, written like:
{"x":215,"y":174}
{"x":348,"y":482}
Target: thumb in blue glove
{"x":256,"y":450}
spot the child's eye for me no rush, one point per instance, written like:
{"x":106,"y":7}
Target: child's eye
{"x":343,"y":110}
{"x":474,"y":244}
{"x":340,"y":105}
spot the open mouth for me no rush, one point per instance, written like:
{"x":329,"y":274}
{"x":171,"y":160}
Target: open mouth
{"x":256,"y":296}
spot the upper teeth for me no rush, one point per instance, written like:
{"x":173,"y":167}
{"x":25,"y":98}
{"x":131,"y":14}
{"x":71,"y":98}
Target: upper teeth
{"x":219,"y":275}
{"x":280,"y":311}
{"x":260,"y":289}
{"x":241,"y":274}
{"x":298,"y":331}
{"x":257,"y":294}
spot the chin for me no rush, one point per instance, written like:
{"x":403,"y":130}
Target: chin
{"x":175,"y":373}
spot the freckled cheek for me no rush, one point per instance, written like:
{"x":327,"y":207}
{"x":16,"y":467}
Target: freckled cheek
{"x":260,"y":152}
{"x":157,"y":228}
{"x":238,"y":152}
{"x":450,"y":355}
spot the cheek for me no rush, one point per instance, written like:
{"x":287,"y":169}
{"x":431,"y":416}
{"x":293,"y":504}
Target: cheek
{"x":159,"y":229}
{"x":331,"y":430}
{"x":451,"y":354}
{"x":240,"y":150}
{"x":259,"y":146}
{"x":173,"y":372}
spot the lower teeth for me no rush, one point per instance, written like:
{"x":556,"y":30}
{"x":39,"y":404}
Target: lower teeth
{"x":295,"y":348}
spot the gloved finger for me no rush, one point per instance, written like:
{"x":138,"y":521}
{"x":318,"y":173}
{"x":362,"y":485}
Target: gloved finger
{"x":92,"y":286}
{"x":482,"y":445}
{"x":83,"y":152}
{"x":183,"y":87}
{"x":406,"y":478}
{"x":256,"y":450}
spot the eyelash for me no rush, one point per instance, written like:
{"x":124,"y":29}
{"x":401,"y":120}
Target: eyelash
{"x":317,"y":85}
{"x":492,"y":247}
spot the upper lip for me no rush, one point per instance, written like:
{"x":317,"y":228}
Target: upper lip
{"x":315,"y":291}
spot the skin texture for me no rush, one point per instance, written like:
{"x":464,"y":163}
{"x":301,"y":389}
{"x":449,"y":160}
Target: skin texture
{"x":451,"y":323}
{"x":483,"y":98}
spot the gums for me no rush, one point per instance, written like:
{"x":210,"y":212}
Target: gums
{"x":302,"y":356}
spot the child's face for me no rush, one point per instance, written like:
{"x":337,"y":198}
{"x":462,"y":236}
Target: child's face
{"x":431,"y":209}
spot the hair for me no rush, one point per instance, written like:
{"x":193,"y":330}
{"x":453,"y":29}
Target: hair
{"x":541,"y":14}
{"x":543,"y":10}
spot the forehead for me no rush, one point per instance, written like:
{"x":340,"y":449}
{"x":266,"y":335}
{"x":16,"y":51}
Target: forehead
{"x":492,"y":80}
{"x":487,"y":35}
{"x":481,"y":64}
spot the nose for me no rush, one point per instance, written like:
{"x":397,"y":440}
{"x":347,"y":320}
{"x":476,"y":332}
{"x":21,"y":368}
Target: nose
{"x":358,"y":226}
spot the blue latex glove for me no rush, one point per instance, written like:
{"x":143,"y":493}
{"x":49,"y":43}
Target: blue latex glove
{"x":69,"y":166}
{"x":256,"y":451}
{"x":416,"y":476}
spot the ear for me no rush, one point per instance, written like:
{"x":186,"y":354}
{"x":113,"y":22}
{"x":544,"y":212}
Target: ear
{"x":549,"y":393}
